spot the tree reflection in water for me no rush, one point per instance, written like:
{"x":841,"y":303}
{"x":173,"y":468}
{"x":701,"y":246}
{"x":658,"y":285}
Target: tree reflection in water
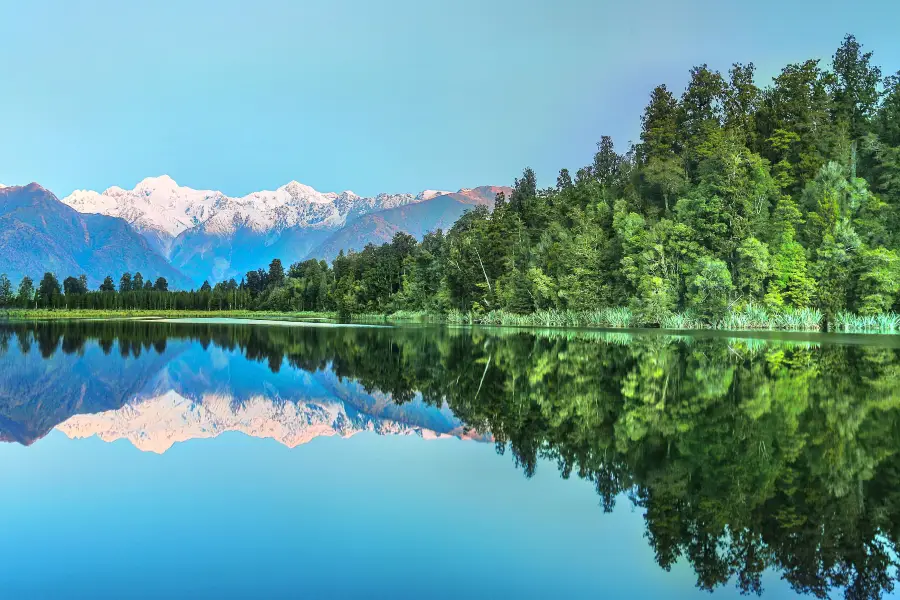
{"x":745,"y":454}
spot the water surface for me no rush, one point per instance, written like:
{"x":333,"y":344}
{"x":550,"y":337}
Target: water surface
{"x":218,"y":459}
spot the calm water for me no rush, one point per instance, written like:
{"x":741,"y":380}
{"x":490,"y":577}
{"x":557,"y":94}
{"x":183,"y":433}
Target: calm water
{"x":185,"y":459}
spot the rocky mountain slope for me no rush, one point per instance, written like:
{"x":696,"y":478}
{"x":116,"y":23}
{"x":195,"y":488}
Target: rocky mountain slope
{"x":38,"y":233}
{"x":439,"y":212}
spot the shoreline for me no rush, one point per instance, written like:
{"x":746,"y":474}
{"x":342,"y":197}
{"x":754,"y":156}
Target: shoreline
{"x":559,"y":321}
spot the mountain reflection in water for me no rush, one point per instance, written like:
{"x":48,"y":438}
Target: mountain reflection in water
{"x":744,"y":454}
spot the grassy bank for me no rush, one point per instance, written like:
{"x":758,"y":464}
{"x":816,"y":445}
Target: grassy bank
{"x":26,"y":314}
{"x":748,"y":318}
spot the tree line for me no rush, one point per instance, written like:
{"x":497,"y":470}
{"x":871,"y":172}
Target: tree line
{"x":782,"y":197}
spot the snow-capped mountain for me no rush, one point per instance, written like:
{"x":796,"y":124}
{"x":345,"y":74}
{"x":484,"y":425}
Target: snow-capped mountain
{"x":162,"y":210}
{"x":207,"y":235}
{"x":156,"y":424}
{"x":155,"y":203}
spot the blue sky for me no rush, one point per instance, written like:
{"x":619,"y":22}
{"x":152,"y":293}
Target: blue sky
{"x":397,"y":95}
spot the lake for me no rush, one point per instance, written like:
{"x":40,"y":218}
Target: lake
{"x":234,"y":459}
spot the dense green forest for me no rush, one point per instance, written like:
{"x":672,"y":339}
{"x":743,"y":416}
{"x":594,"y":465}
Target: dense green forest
{"x":740,"y":206}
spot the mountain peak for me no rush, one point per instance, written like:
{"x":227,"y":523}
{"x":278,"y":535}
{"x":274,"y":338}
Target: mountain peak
{"x":429,"y":194}
{"x":294,"y":187}
{"x":161,"y":181}
{"x":35,"y":187}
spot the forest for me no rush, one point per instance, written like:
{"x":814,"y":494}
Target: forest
{"x":740,"y":207}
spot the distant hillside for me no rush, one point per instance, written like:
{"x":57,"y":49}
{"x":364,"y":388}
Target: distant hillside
{"x":38,"y":233}
{"x":441,"y":212}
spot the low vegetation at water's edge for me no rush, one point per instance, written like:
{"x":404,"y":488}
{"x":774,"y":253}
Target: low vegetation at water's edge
{"x":749,"y":318}
{"x":746,"y":319}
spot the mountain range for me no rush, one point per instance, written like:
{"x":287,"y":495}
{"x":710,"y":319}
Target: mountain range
{"x":38,"y":233}
{"x":207,"y":235}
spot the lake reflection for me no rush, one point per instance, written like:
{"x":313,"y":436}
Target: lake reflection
{"x":748,"y":459}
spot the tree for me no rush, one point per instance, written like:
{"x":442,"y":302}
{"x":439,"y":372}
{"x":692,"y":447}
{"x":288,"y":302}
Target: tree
{"x":48,"y":290}
{"x":659,"y":129}
{"x":73,"y":286}
{"x":206,"y":287}
{"x":6,"y":295}
{"x":790,"y":283}
{"x":833,"y":268}
{"x":26,"y":291}
{"x":799,"y":106}
{"x":710,"y":288}
{"x":276,"y":272}
{"x":148,"y":286}
{"x":125,"y":283}
{"x":137,"y":283}
{"x":741,"y":102}
{"x":700,"y":111}
{"x":754,"y":264}
{"x":606,"y":161}
{"x":107,"y":285}
{"x":161,"y":285}
{"x":827,"y":202}
{"x":855,"y":86}
{"x":879,"y":281}
{"x":563,"y":181}
{"x":887,"y":121}
{"x":666,"y":176}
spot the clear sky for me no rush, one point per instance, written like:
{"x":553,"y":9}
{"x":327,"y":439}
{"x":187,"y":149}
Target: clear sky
{"x":395,"y":95}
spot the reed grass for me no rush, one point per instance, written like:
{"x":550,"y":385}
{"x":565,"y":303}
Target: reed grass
{"x":749,"y":317}
{"x":881,"y":323}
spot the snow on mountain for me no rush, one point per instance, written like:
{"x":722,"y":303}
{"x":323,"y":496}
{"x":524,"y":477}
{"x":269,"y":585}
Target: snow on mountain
{"x":156,"y":203}
{"x":159,"y":206}
{"x":207,"y":235}
{"x":429,"y":194}
{"x":156,"y":424}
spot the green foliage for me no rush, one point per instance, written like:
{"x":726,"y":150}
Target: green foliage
{"x":49,"y":291}
{"x":6,"y":295}
{"x":709,"y":289}
{"x":26,"y":292}
{"x":878,"y":285}
{"x":790,"y":284}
